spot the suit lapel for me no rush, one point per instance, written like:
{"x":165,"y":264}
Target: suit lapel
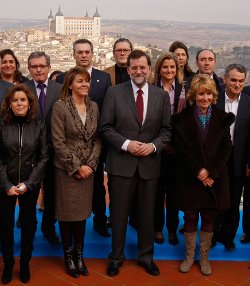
{"x":48,"y":99}
{"x":243,"y":108}
{"x":129,"y":97}
{"x":221,"y":101}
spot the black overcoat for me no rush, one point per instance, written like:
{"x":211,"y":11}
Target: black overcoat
{"x":190,"y":193}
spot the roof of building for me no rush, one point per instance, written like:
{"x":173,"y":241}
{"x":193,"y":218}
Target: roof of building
{"x":59,"y":13}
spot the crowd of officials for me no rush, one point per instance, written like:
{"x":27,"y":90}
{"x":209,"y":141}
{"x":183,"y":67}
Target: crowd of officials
{"x":168,"y":138}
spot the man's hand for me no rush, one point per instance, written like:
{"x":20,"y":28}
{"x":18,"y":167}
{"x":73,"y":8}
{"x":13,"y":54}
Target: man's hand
{"x":134,"y":147}
{"x":146,"y":149}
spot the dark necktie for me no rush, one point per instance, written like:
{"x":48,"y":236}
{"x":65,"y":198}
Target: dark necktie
{"x":139,"y":105}
{"x":42,"y":97}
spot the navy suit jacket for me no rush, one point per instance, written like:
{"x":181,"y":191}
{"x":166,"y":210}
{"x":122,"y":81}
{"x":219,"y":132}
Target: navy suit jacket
{"x":100,"y":82}
{"x":4,"y":86}
{"x":241,"y":140}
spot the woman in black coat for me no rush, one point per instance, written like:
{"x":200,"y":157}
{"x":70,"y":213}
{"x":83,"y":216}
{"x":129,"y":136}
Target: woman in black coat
{"x":23,"y":156}
{"x":202,"y":141}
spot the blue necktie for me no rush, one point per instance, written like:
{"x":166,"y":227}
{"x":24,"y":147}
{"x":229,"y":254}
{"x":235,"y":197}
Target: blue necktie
{"x":42,"y":97}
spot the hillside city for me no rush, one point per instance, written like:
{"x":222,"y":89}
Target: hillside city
{"x":231,"y":43}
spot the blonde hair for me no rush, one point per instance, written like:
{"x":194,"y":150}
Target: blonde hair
{"x":204,"y":81}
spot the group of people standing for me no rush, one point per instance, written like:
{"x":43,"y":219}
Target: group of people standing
{"x":175,"y":138}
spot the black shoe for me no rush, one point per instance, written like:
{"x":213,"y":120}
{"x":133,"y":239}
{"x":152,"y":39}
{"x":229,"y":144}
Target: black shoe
{"x":229,"y":245}
{"x":81,"y":267}
{"x":113,"y":268}
{"x":159,"y":238}
{"x":69,"y":263}
{"x":24,"y":271}
{"x":103,"y":231}
{"x":7,"y":273}
{"x":245,"y":238}
{"x":172,"y":238}
{"x":150,"y":267}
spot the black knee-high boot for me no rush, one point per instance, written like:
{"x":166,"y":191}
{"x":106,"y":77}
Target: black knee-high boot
{"x":67,"y":242}
{"x":78,"y":236}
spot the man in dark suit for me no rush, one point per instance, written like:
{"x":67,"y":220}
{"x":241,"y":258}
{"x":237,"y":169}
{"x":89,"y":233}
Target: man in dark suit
{"x":206,"y":63}
{"x":4,"y":86}
{"x":233,"y":100}
{"x":135,"y":126}
{"x":100,"y":82}
{"x":40,"y":85}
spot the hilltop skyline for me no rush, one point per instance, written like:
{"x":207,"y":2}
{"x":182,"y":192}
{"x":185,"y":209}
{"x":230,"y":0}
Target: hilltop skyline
{"x":222,"y":11}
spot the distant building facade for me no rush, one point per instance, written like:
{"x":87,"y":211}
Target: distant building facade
{"x":89,"y":26}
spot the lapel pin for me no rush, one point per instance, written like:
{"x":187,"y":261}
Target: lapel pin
{"x":97,"y":80}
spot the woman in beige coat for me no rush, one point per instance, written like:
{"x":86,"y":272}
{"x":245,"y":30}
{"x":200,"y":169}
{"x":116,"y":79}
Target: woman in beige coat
{"x":74,"y":128}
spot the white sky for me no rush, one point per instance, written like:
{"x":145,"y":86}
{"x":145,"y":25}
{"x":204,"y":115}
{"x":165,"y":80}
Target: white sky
{"x":210,"y":11}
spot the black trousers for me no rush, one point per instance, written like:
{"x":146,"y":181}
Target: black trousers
{"x":48,"y":219}
{"x":246,"y":207}
{"x":28,"y":221}
{"x":228,"y":221}
{"x":166,"y":190}
{"x":122,"y":192}
{"x":99,"y":193}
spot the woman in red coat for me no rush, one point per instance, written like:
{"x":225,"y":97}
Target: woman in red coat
{"x":201,"y":138}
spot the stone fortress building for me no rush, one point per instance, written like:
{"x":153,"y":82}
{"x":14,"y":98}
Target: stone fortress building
{"x":88,"y":26}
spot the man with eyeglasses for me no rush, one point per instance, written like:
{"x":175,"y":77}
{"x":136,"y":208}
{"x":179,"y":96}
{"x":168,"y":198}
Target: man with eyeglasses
{"x":83,"y":52}
{"x":47,"y":92}
{"x":118,"y":72}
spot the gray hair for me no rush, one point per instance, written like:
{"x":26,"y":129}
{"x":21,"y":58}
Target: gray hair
{"x":38,"y":54}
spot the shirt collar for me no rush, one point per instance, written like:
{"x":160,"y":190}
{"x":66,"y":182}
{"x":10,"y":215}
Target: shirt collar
{"x":136,"y":88}
{"x":46,"y":83}
{"x":172,"y":85}
{"x":230,"y":100}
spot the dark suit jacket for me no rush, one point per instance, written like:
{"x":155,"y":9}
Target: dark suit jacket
{"x":120,"y":122}
{"x":246,"y":90}
{"x":218,"y":82}
{"x":241,"y":140}
{"x":100,"y":82}
{"x":52,"y":95}
{"x":4,"y":86}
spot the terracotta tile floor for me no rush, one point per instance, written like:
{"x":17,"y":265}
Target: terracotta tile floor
{"x":49,"y":271}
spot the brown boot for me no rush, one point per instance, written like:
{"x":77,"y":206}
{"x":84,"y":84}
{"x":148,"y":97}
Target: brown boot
{"x":190,"y":243}
{"x":205,"y":243}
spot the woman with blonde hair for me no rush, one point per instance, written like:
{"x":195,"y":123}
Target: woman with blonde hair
{"x":202,"y":142}
{"x":166,"y":77}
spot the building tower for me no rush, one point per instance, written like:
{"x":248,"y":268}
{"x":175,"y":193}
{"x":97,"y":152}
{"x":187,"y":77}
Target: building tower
{"x":59,"y":22}
{"x":97,"y":24}
{"x":50,"y":19}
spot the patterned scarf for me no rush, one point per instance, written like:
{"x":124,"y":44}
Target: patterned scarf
{"x":204,"y":118}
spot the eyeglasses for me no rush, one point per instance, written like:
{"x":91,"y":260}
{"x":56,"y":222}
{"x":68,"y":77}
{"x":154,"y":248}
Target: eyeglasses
{"x":125,"y":51}
{"x":35,"y":67}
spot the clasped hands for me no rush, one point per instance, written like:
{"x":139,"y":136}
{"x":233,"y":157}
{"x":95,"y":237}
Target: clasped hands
{"x":84,"y":172}
{"x":20,"y":189}
{"x":138,"y":148}
{"x":204,"y":177}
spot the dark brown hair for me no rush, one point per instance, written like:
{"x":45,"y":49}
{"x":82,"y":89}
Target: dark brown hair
{"x":136,"y":54}
{"x":70,"y":76}
{"x":7,"y":113}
